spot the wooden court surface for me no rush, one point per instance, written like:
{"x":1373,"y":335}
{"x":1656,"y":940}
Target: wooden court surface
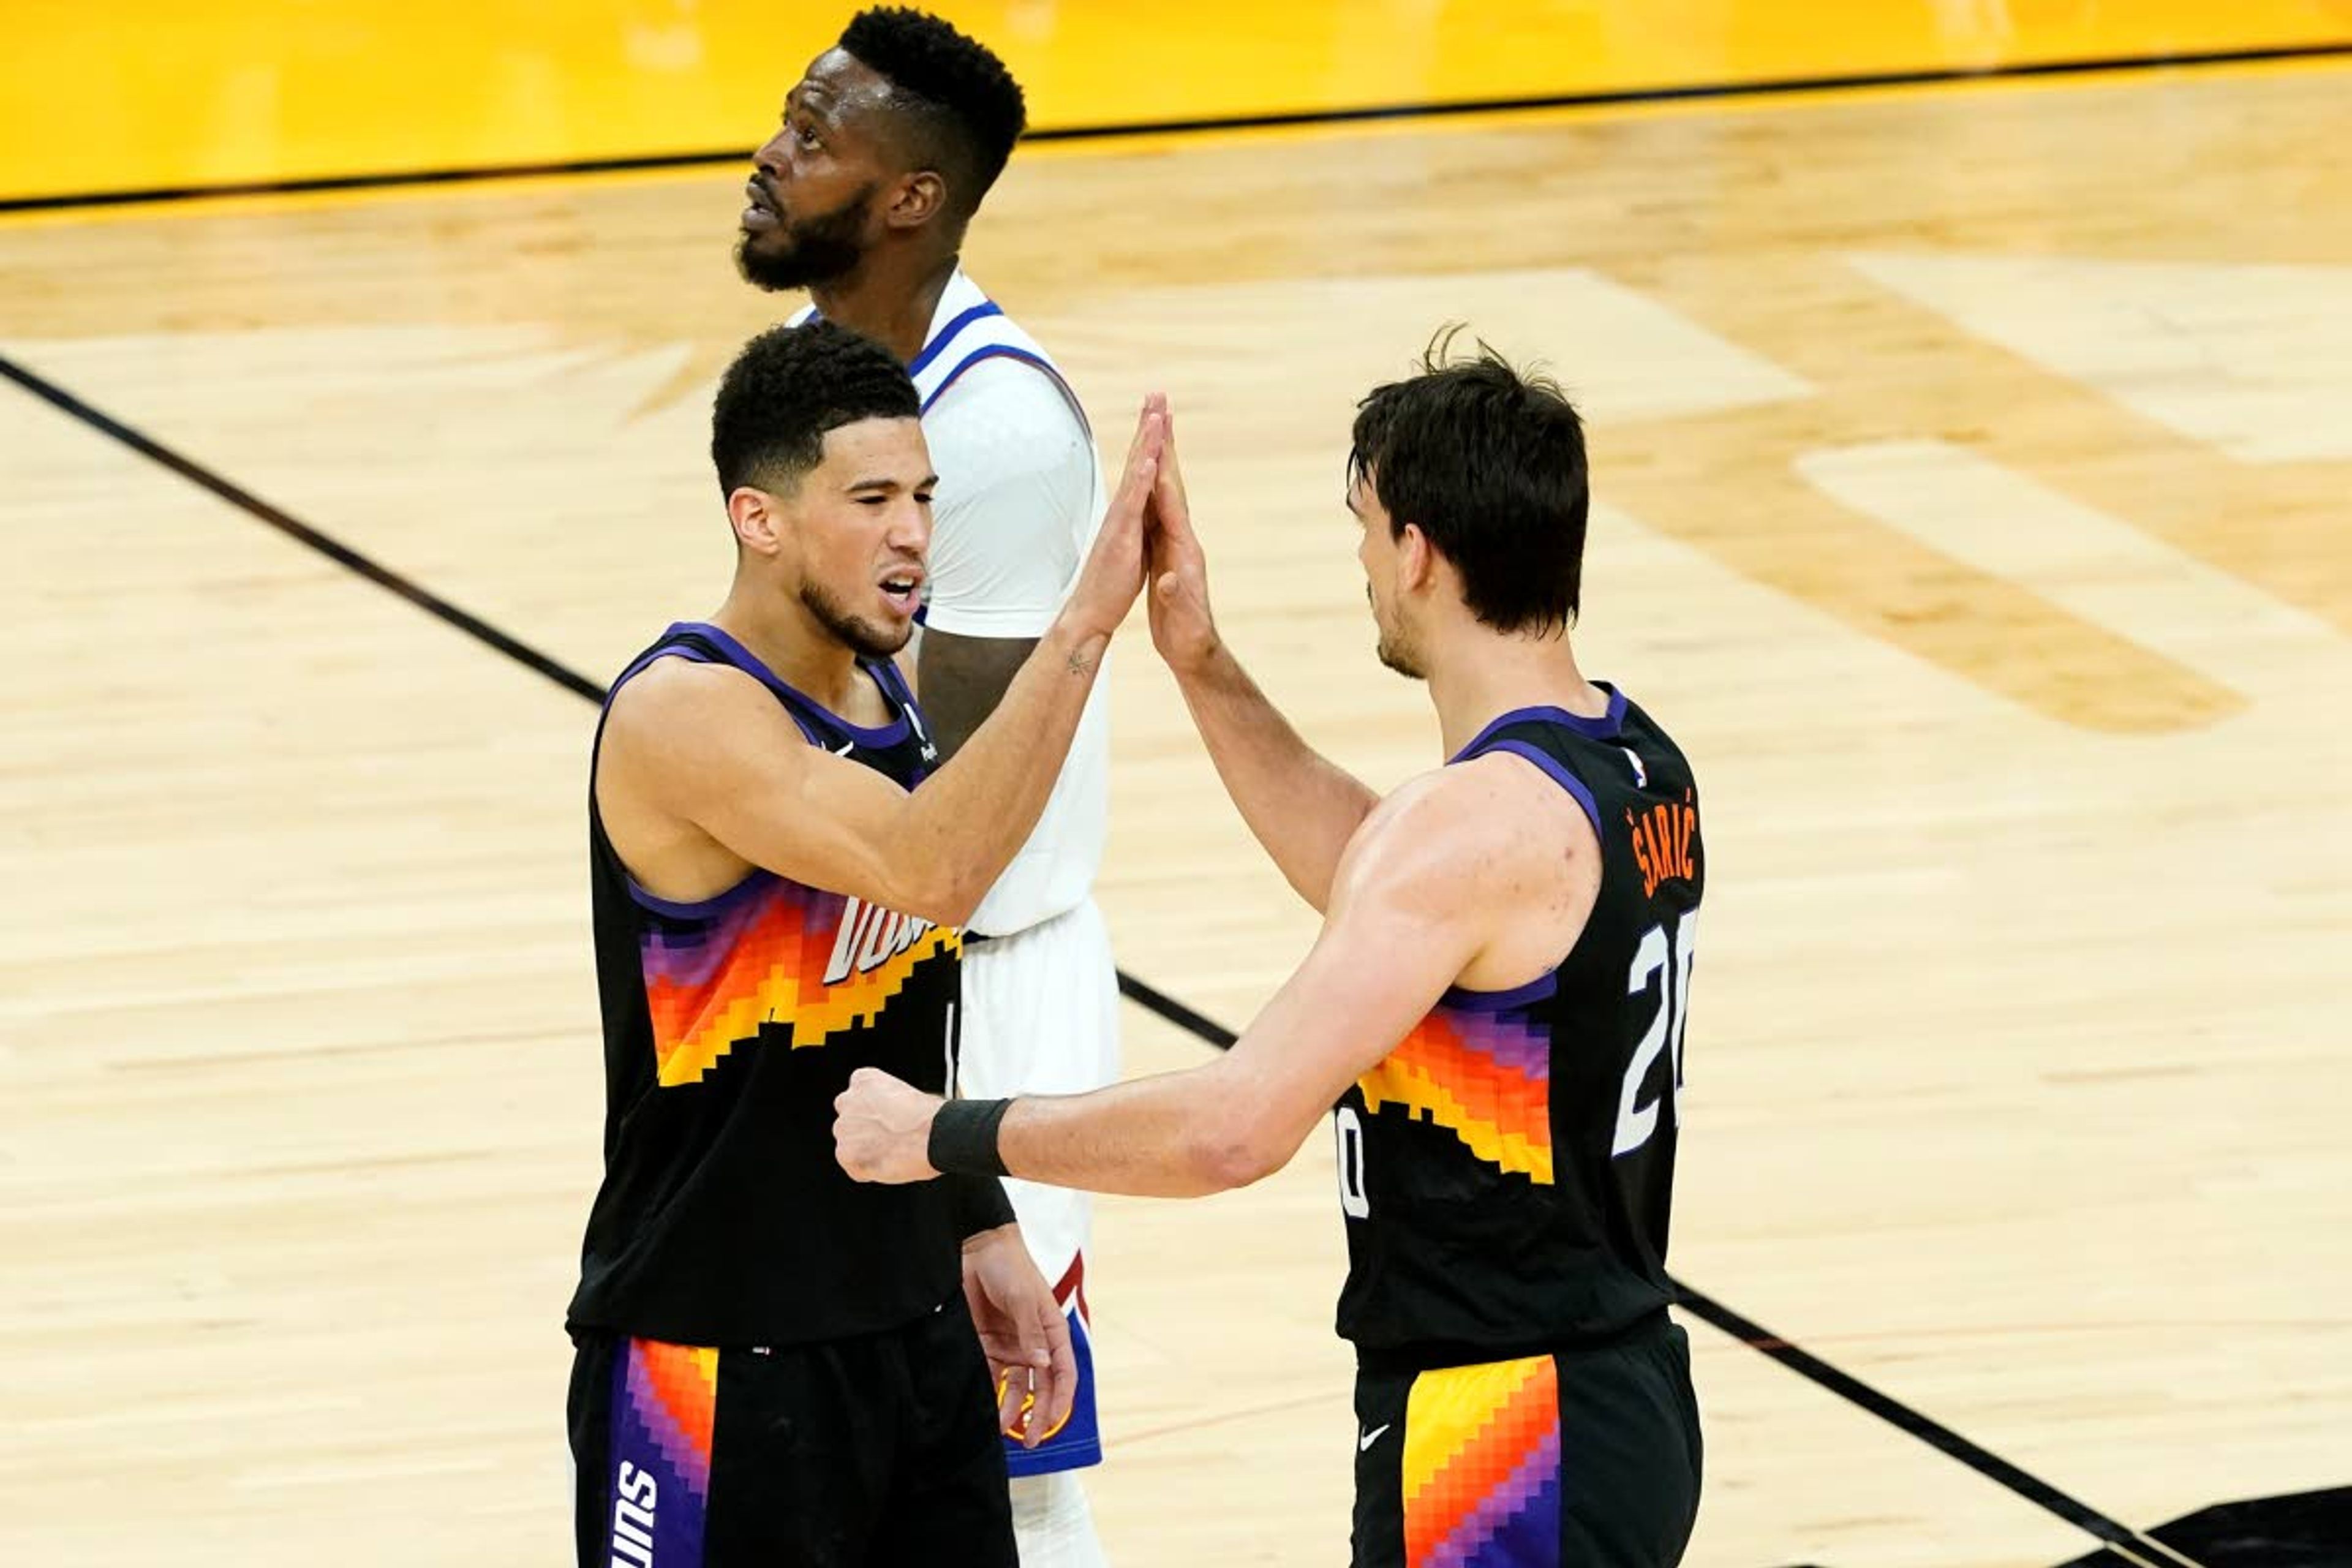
{"x":1972,"y":469}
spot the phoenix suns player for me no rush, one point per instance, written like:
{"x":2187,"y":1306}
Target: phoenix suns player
{"x":1496,"y":1004}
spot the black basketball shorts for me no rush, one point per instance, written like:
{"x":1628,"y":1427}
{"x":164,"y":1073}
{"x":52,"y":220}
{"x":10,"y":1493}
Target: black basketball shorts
{"x":1589,"y":1457}
{"x":880,"y":1451}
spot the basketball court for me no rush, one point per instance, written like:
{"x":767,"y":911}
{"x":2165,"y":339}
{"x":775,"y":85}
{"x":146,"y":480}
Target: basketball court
{"x":1973,"y":473}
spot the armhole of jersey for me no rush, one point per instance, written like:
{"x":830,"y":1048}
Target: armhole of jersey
{"x":1036,"y":362}
{"x":1560,"y":772}
{"x":949,"y":333}
{"x":1564,"y":775}
{"x":691,"y":648}
{"x":695,"y":650}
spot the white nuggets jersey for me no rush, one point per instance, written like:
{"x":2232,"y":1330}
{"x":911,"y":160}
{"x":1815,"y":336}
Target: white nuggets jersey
{"x":1019,"y":499}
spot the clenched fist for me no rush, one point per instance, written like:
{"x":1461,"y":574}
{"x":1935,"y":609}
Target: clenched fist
{"x":882,"y":1129}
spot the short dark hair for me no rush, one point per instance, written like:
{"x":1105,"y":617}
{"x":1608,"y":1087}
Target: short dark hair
{"x":789,"y":386}
{"x":1489,"y":463}
{"x":963,"y":106}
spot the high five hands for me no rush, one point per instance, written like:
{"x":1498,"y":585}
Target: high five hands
{"x":1147,"y":543}
{"x":882,"y":1126}
{"x":1177,"y":573}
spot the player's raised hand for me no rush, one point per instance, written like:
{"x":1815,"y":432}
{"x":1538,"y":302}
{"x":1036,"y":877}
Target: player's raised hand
{"x":1182,"y":629}
{"x":882,"y":1129}
{"x":1113,"y":572}
{"x":1023,"y":1334}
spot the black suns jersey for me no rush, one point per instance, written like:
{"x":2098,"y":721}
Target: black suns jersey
{"x":729,"y":1026}
{"x":1508,"y":1171}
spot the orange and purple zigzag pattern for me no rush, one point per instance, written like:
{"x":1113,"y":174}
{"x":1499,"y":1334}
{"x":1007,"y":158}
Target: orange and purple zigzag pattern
{"x":1482,"y":1466}
{"x":1485,"y":1076}
{"x":672,"y":1392}
{"x":759,"y":957}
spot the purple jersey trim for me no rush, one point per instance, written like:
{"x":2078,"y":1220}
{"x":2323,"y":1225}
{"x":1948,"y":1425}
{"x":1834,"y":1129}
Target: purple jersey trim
{"x":749,"y":664}
{"x":662,"y":650}
{"x":1605,"y":728}
{"x":743,"y":658}
{"x":1464,"y":999}
{"x":1559,"y":775}
{"x":699,"y":908}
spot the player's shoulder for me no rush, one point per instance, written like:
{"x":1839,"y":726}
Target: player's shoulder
{"x":1016,"y":427}
{"x":1481,"y":800}
{"x":674,"y":698}
{"x":1431,"y":837}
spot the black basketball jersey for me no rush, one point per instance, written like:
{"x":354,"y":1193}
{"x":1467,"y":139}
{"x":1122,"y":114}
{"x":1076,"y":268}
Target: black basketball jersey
{"x":730,"y":1026}
{"x":1508,"y":1171}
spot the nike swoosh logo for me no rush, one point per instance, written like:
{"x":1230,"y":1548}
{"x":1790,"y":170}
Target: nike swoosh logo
{"x":843,"y":749}
{"x":1364,"y":1444}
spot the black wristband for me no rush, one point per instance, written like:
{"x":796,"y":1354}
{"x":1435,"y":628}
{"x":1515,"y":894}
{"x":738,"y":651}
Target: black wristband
{"x":963,"y":1138}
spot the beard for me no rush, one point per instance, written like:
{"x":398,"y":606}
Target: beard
{"x":1394,"y":649}
{"x":1399,"y":657}
{"x":862,"y":636}
{"x":801,"y":252}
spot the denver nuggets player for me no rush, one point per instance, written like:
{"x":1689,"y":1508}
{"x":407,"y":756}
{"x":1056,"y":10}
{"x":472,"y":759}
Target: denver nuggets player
{"x":776,"y":1366}
{"x":1496,"y":1005}
{"x":888,"y":142}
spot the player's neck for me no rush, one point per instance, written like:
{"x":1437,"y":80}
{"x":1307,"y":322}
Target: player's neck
{"x":1481,"y":676}
{"x":781,"y":634}
{"x":890,"y":299}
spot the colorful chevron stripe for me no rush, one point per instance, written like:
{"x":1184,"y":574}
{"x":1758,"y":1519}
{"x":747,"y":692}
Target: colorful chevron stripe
{"x":664,"y":1410}
{"x":1482,"y":1484}
{"x":1484,"y":1075}
{"x":773,"y":953}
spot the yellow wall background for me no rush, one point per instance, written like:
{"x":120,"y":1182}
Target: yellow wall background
{"x":141,"y":94}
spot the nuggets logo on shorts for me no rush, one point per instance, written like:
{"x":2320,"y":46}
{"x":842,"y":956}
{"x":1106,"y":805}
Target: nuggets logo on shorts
{"x":1077,"y":1441}
{"x":773,"y":953}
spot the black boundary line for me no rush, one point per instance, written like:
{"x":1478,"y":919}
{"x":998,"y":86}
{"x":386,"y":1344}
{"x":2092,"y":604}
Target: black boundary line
{"x":1925,"y":1428}
{"x":1803,"y":1362}
{"x":1756,"y":1337}
{"x":1772,"y":86}
{"x":334,"y":549}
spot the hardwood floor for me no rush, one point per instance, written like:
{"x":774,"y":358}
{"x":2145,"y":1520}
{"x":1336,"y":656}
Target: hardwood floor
{"x":1972,"y":469}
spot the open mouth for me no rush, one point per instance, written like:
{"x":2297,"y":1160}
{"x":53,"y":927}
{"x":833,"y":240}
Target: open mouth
{"x":904,"y":591}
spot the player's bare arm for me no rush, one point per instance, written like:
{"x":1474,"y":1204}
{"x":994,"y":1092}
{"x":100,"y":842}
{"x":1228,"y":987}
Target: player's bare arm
{"x":963,"y":680}
{"x":1435,"y":890}
{"x":1301,"y":806}
{"x":703,"y":775}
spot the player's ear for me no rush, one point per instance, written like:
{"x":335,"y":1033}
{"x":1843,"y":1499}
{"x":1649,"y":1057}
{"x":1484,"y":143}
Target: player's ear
{"x":917,"y":200}
{"x":757,"y":520}
{"x":1416,"y":559}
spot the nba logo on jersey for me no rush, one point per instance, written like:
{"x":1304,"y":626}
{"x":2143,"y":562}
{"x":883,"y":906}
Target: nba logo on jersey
{"x":915,"y":720}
